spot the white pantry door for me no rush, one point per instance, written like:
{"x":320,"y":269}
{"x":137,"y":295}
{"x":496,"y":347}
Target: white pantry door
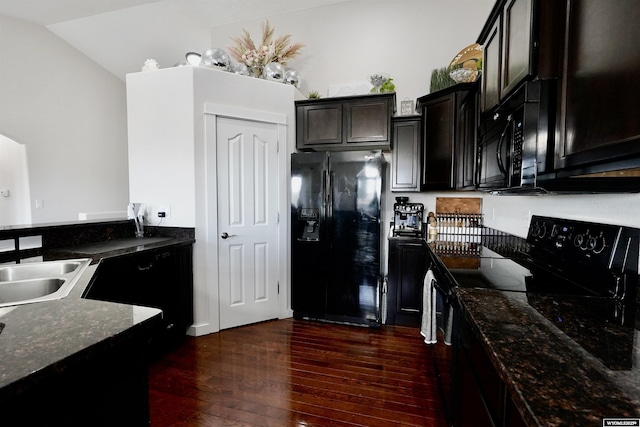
{"x":247,"y":171}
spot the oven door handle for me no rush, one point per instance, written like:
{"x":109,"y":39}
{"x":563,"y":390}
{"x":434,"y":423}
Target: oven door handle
{"x":447,"y":292}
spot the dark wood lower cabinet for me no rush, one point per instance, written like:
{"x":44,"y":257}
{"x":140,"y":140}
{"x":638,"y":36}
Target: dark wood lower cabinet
{"x":161,"y":278}
{"x":105,"y":388}
{"x":480,"y":396}
{"x":407,"y":267}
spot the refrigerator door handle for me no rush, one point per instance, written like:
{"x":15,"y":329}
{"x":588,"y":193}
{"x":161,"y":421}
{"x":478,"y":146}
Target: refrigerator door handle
{"x":329,"y":195}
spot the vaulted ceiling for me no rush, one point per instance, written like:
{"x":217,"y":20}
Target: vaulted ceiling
{"x":120,"y":34}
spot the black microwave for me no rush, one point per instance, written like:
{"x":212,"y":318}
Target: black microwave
{"x":514,"y":141}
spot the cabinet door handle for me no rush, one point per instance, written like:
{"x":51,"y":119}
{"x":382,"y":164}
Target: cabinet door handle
{"x":145,"y":268}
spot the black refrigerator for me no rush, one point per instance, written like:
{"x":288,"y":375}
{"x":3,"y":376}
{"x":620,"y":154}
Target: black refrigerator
{"x":335,"y":248}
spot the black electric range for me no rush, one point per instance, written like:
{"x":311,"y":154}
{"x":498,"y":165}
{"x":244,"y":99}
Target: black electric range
{"x":580,"y":276}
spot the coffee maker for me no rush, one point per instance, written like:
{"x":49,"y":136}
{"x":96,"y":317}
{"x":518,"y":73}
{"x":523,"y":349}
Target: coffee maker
{"x":407,"y":218}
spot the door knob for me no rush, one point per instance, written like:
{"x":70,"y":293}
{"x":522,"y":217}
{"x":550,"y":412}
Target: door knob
{"x":226,"y":235}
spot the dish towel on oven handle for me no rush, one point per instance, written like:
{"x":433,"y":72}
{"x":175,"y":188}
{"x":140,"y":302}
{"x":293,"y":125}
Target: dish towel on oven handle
{"x":428,"y":326}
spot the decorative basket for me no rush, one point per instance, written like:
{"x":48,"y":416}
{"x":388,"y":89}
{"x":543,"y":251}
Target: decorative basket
{"x":467,"y":64}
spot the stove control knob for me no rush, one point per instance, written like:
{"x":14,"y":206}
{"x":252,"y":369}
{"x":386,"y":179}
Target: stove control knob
{"x":578,"y":240}
{"x":598,"y":245}
{"x":535,"y":229}
{"x":542,"y":230}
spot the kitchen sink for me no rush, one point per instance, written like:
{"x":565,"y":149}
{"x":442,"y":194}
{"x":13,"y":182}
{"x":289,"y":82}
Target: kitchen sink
{"x":37,"y":270}
{"x":23,"y":290}
{"x":39,"y":281}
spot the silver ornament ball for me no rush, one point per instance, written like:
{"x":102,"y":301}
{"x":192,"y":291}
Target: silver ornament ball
{"x":292,"y":77}
{"x":239,"y":68}
{"x":273,"y":71}
{"x":215,"y":58}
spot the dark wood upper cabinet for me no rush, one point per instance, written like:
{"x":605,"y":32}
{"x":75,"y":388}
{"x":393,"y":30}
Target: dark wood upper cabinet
{"x":598,"y":107}
{"x":466,"y":147}
{"x":491,"y":64}
{"x":405,"y":156}
{"x":439,"y":137}
{"x":346,"y":123}
{"x":517,"y":46}
{"x":585,"y":52}
{"x":322,"y":124}
{"x":520,"y":41}
{"x":367,"y":121}
{"x":448,"y":138}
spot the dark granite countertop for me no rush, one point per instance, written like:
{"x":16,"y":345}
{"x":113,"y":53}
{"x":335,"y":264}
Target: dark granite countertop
{"x":116,"y":247}
{"x":553,"y":380}
{"x":42,"y":339}
{"x":547,"y":366}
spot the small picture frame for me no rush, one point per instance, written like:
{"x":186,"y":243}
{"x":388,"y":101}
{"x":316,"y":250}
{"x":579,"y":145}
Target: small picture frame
{"x":406,"y":107}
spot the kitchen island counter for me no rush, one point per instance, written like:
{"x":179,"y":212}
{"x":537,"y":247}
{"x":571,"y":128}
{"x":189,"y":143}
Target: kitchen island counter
{"x":73,"y":360}
{"x":41,"y":340}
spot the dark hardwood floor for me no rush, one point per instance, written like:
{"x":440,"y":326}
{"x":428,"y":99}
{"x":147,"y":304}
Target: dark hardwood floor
{"x":297,"y":373}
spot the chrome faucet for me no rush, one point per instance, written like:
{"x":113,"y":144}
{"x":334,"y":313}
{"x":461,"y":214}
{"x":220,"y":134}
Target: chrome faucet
{"x":136,"y":213}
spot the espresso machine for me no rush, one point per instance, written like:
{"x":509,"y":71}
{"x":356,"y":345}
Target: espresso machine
{"x":408,"y":218}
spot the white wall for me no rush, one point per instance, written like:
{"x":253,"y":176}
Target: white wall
{"x":512,"y":213}
{"x":161,"y":149}
{"x":347,"y":42}
{"x":71,"y":115}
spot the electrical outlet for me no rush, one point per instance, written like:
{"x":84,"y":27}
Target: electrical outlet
{"x":164,"y":211}
{"x":4,"y":193}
